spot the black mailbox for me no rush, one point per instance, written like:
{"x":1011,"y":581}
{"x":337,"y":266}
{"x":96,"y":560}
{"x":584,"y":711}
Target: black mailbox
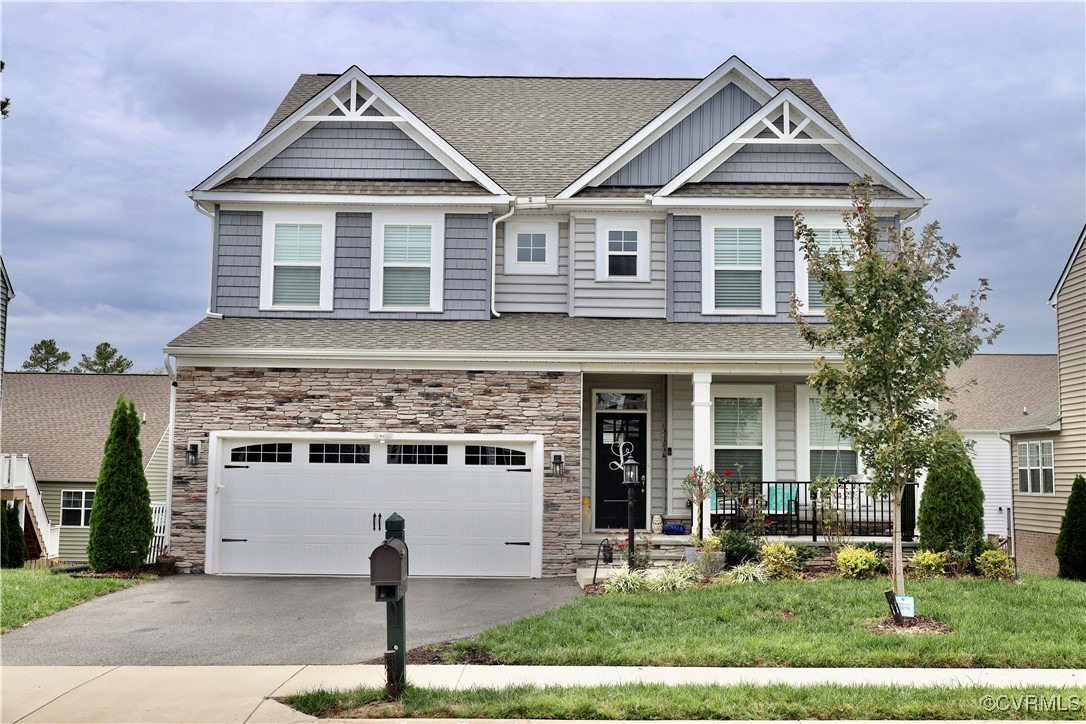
{"x":388,"y":570}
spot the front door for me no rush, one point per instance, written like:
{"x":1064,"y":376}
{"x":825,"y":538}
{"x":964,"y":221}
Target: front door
{"x":611,"y":502}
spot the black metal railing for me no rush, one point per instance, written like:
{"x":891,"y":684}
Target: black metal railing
{"x":801,"y":508}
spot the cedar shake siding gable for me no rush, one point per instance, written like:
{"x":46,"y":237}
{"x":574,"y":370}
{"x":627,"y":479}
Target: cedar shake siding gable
{"x":466,"y":287}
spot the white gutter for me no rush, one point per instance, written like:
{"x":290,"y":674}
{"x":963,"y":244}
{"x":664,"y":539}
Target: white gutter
{"x":764,"y":202}
{"x":211,"y":264}
{"x":494,"y":254}
{"x":226,"y":197}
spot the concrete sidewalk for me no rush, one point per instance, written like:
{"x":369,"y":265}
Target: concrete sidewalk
{"x":227,"y":694}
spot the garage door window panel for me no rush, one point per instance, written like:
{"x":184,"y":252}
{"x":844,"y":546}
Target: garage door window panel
{"x":349,"y":454}
{"x":271,"y":452}
{"x":418,"y":455}
{"x":490,"y":455}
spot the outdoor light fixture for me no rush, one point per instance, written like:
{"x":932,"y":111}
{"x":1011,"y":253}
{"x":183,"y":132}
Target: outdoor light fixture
{"x":605,"y":551}
{"x":630,"y":479}
{"x":629,"y":472}
{"x":557,"y":464}
{"x":192,"y":453}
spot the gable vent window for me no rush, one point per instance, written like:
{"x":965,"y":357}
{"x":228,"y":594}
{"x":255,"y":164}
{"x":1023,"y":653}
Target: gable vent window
{"x":297,"y":265}
{"x":269,"y":452}
{"x":418,"y":455}
{"x":737,"y":268}
{"x":837,"y":239}
{"x":622,"y":253}
{"x":407,"y":257}
{"x":339,"y":454}
{"x":489,"y":455}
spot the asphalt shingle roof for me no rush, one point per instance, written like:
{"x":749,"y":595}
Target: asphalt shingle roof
{"x":534,"y":135}
{"x":529,"y":333}
{"x":61,"y":419}
{"x":1012,"y":391}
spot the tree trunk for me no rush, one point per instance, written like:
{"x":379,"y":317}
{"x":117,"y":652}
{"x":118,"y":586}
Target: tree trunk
{"x":898,"y":558}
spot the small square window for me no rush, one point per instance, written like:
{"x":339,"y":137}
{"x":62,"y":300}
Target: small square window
{"x":531,"y":248}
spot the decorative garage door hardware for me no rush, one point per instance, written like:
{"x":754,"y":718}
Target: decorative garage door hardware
{"x":518,"y":543}
{"x":235,"y":540}
{"x":238,"y":466}
{"x":518,"y":470}
{"x":377,"y":521}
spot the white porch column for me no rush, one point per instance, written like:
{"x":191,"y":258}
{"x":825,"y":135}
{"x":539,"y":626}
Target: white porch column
{"x":703,"y":435}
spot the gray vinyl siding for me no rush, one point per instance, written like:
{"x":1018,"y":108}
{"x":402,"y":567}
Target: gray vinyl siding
{"x":344,"y":150}
{"x":687,"y":141}
{"x":685,"y":273}
{"x":530,"y":292}
{"x":657,"y":424}
{"x":592,"y":298}
{"x":782,"y":163}
{"x":467,"y":269}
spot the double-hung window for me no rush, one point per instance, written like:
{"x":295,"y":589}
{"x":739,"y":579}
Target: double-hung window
{"x":737,"y":264}
{"x":829,"y":235}
{"x":407,"y":262}
{"x":1036,"y":475}
{"x":297,"y":260}
{"x":531,"y":247}
{"x":822,"y":451}
{"x":622,"y":249}
{"x":743,"y":431}
{"x":75,"y":508}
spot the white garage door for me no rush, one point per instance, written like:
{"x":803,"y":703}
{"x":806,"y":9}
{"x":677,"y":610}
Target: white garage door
{"x":305,"y":507}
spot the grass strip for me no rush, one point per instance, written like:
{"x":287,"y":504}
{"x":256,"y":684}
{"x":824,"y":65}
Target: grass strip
{"x":1035,"y":623}
{"x":658,"y":701}
{"x":27,"y":594}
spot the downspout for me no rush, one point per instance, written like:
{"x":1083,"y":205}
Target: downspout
{"x":494,"y":254}
{"x":1010,"y":513}
{"x":169,"y":450}
{"x":211,"y":264}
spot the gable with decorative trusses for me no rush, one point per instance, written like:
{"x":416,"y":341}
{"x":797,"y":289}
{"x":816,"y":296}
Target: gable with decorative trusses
{"x":351,"y":129}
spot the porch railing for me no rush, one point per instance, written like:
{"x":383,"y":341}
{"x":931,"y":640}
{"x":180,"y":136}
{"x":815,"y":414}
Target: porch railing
{"x":800,"y":509}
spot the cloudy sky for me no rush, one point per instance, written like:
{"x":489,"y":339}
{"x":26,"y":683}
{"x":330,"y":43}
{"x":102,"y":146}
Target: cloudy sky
{"x":118,"y":109}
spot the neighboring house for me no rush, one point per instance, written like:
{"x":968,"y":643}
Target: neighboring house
{"x":55,"y":428}
{"x":7,"y":293}
{"x":452,"y":297}
{"x":994,"y":392}
{"x":1048,"y":452}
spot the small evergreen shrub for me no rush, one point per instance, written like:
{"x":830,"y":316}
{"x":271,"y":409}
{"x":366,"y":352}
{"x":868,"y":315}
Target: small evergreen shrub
{"x":781,"y":560}
{"x":12,"y":542}
{"x":1071,"y":542}
{"x":856,"y":562}
{"x":625,"y":580}
{"x":737,"y":546}
{"x":882,"y":551}
{"x":951,"y":513}
{"x":749,"y":572}
{"x":929,"y":564}
{"x":673,"y":578}
{"x":996,"y":565}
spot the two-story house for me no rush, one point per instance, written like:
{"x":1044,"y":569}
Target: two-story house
{"x":468,"y":299}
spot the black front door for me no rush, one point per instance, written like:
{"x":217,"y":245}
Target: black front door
{"x":612,"y":428}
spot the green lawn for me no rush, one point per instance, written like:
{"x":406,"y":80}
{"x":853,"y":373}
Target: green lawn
{"x":657,"y":701}
{"x":27,"y":594}
{"x":1036,"y":623}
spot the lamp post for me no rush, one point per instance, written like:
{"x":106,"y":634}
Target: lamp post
{"x":630,"y":479}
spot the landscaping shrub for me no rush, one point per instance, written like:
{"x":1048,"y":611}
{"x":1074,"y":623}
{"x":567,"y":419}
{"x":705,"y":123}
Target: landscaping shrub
{"x":738,"y":547}
{"x":881,"y":550}
{"x":856,"y":562}
{"x":749,"y":572}
{"x":625,"y":580}
{"x":996,"y":565}
{"x":1071,"y":542}
{"x":951,"y":513}
{"x":674,"y":578}
{"x":781,"y":560}
{"x":12,"y":542}
{"x":929,"y":564}
{"x":120,"y":519}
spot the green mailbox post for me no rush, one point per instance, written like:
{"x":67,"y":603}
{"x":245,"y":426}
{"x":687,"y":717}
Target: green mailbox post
{"x":388,"y":576}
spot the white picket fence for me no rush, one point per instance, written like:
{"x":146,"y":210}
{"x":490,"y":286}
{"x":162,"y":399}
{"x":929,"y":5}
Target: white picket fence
{"x":158,"y":543}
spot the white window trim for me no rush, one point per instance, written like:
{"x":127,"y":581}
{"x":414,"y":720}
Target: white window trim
{"x":83,"y":502}
{"x":804,"y":395}
{"x":643,"y":227}
{"x":327,"y":220}
{"x":740,"y":220}
{"x":1040,"y":468}
{"x":815,"y":220}
{"x":768,"y":393}
{"x":547,"y":267}
{"x":436,"y":221}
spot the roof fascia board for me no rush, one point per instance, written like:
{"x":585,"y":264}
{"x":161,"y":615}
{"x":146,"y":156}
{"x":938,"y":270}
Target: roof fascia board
{"x":1067,"y":267}
{"x":1054,"y":426}
{"x":229,"y":197}
{"x":413,"y":126}
{"x":696,"y":202}
{"x":704,"y":165}
{"x":749,"y":80}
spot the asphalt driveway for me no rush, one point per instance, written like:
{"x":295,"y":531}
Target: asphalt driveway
{"x":227,"y":620}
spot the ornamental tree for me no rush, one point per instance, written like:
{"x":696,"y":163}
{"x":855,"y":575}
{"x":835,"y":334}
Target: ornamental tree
{"x":120,"y":519}
{"x":106,"y":360}
{"x":895,"y":341}
{"x":1071,"y":542}
{"x":952,"y":507}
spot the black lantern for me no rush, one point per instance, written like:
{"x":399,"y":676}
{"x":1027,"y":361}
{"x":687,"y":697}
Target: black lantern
{"x":192,"y":453}
{"x":630,"y":479}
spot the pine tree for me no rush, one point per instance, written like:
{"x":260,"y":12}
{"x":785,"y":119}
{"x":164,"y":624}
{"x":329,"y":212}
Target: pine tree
{"x":12,"y":542}
{"x":952,"y":506}
{"x":45,"y":356}
{"x":106,"y":360}
{"x":1071,"y":542}
{"x":120,"y":520}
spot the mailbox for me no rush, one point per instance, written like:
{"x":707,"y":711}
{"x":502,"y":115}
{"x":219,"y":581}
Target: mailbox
{"x":388,"y":570}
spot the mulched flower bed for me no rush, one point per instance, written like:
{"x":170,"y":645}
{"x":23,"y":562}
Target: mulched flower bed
{"x":918,"y":625}
{"x":437,"y":654}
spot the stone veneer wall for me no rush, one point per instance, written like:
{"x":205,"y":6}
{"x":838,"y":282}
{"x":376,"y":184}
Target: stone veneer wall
{"x":348,"y":400}
{"x":1035,"y":552}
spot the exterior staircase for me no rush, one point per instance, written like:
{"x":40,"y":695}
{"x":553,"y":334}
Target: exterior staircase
{"x":19,"y":486}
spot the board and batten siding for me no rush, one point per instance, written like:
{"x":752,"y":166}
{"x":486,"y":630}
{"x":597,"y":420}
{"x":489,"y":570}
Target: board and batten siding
{"x":991,"y":457}
{"x":687,"y":141}
{"x":237,"y":269}
{"x":532,"y":292}
{"x":655,"y":384}
{"x":592,"y":298}
{"x":345,"y":150}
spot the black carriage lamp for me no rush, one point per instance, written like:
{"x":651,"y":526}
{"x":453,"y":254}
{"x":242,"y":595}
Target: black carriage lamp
{"x":192,"y":452}
{"x":557,"y":464}
{"x":630,"y":479}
